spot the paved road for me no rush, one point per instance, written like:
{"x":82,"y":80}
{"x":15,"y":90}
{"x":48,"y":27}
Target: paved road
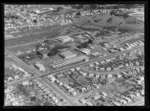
{"x":60,"y":92}
{"x":61,"y":69}
{"x":37,"y":74}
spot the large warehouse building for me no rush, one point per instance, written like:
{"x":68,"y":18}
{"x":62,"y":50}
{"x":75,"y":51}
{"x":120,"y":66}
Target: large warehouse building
{"x":69,"y":61}
{"x":68,"y":55}
{"x":65,"y":38}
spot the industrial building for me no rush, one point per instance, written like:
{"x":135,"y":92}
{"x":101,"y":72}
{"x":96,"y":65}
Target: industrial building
{"x":39,"y":66}
{"x":68,"y":55}
{"x":65,"y":38}
{"x":86,"y":51}
{"x":95,"y":53}
{"x":69,"y":61}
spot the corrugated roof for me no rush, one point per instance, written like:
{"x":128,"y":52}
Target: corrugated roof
{"x":66,"y":53}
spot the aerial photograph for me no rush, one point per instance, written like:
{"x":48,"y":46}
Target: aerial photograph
{"x":74,"y":55}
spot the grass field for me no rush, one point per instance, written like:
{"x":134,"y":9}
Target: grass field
{"x":35,"y":35}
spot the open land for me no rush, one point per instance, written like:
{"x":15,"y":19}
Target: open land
{"x":74,"y":55}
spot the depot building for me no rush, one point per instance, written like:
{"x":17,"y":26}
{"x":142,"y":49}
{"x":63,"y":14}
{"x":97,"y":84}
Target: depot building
{"x":68,"y":55}
{"x":64,"y":38}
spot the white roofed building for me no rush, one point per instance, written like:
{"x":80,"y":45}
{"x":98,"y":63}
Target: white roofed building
{"x":86,"y":51}
{"x":68,"y":54}
{"x":65,"y":38}
{"x":40,"y":66}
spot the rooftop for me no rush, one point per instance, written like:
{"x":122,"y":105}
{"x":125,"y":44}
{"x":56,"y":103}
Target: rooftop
{"x":64,"y":38}
{"x":67,"y":53}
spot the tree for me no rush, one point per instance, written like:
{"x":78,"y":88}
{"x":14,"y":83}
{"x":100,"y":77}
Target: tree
{"x":90,"y":41}
{"x":125,"y":15}
{"x":37,"y":46}
{"x":47,"y":103}
{"x":35,"y":20}
{"x":33,"y":98}
{"x":46,"y":41}
{"x":128,"y":6}
{"x":31,"y":57}
{"x":39,"y":54}
{"x":78,"y":14}
{"x":93,"y":6}
{"x":79,"y":6}
{"x":60,"y":8}
{"x":109,"y":20}
{"x":53,"y":52}
{"x":21,"y":90}
{"x":115,"y":7}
